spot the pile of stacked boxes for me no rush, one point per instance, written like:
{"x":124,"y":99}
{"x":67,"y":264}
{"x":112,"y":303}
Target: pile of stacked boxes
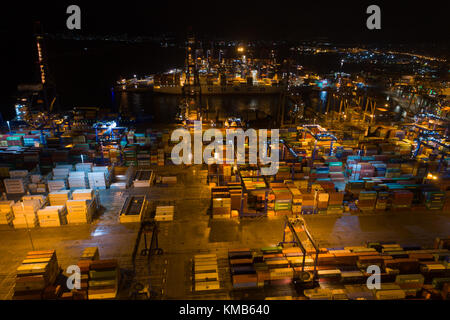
{"x":36,"y":276}
{"x":206,"y":272}
{"x":342,"y":273}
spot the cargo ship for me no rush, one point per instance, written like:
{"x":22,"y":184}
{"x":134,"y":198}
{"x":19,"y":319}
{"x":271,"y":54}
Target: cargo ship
{"x":217,"y":89}
{"x":215,"y":85}
{"x":207,"y":86}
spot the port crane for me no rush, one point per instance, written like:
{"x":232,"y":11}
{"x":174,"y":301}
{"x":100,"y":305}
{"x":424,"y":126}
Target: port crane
{"x":322,"y":135}
{"x":191,"y":89}
{"x":291,"y":224}
{"x":431,"y":139}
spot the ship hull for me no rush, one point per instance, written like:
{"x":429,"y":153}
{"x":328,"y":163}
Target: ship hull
{"x":218,"y":90}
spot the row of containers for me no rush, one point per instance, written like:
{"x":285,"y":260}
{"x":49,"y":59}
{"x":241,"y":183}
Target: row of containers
{"x":342,"y":273}
{"x":36,"y":277}
{"x":29,"y":158}
{"x":247,"y":193}
{"x":59,"y":208}
{"x":28,"y":149}
{"x":328,"y":183}
{"x":66,"y":177}
{"x":386,"y":157}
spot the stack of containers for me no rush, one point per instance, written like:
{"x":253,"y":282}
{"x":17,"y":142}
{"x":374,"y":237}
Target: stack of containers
{"x":236,"y":196}
{"x":37,"y":185}
{"x":283,"y":201}
{"x":298,"y":172}
{"x":59,"y":198}
{"x":107,"y":174}
{"x":160,"y":157}
{"x":382,"y":200}
{"x":322,"y":173}
{"x":130,"y":136}
{"x":393,"y":170}
{"x":41,"y":198}
{"x":434,"y":200}
{"x":206,"y":272}
{"x":410,"y":283}
{"x":80,"y":211}
{"x":140,"y":138}
{"x":280,"y":271}
{"x":335,"y":203}
{"x":25,"y":213}
{"x":152,"y":155}
{"x":243,"y":273}
{"x":296,"y":198}
{"x":403,"y":148}
{"x":84,"y":194}
{"x":301,"y":185}
{"x":225,"y":170}
{"x":402,"y":199}
{"x":203,"y":175}
{"x":31,"y":140}
{"x":18,"y":174}
{"x":6,"y":213}
{"x":352,"y":168}
{"x":164,"y":213}
{"x":406,"y":168}
{"x":169,"y":180}
{"x":284,"y":173}
{"x":308,"y":203}
{"x":89,"y":254}
{"x":38,"y":271}
{"x":367,"y":200}
{"x":336,"y":171}
{"x":367,"y":170}
{"x":103,"y":279}
{"x":15,"y":140}
{"x":56,"y":185}
{"x":77,"y":180}
{"x":130,"y":156}
{"x":144,"y":158}
{"x":322,"y":202}
{"x":85,"y":166}
{"x":114,"y":155}
{"x":97,"y":180}
{"x":380,"y":168}
{"x":36,"y":178}
{"x":61,"y":172}
{"x":221,"y":203}
{"x":52,"y":216}
{"x":14,"y":186}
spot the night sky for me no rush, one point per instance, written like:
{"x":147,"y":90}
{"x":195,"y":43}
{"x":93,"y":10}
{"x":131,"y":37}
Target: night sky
{"x":344,"y":21}
{"x":341,"y":20}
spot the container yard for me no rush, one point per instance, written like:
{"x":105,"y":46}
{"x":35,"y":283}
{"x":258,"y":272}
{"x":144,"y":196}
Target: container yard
{"x":226,"y":170}
{"x":222,"y":231}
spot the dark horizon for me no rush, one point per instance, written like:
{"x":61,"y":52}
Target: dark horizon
{"x":402,"y":23}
